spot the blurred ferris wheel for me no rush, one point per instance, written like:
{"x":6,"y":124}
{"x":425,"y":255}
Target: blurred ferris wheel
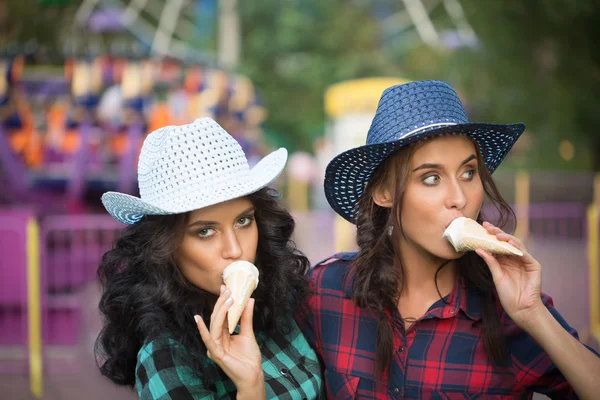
{"x":202,"y":30}
{"x":433,"y":23}
{"x":209,"y":30}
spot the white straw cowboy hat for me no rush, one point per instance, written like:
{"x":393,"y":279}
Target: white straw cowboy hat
{"x":187,"y":167}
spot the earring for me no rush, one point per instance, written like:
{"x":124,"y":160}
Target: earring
{"x":390,"y":230}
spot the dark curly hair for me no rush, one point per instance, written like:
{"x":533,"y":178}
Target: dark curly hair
{"x":378,"y":279}
{"x":145,"y":295}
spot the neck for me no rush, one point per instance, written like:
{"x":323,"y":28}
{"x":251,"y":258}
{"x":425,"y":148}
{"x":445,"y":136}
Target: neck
{"x":420,"y":268}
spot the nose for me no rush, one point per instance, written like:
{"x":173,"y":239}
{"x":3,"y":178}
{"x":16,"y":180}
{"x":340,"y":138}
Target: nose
{"x":456,"y":196}
{"x":231,"y":246}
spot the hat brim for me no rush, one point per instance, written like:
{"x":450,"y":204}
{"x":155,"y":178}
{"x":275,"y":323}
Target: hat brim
{"x":347,"y":174}
{"x":130,"y":209}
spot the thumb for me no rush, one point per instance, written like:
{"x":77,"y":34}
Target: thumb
{"x":492,"y":263}
{"x":246,"y":328}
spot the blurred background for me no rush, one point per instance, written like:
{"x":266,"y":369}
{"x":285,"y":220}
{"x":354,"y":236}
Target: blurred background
{"x":83,"y":81}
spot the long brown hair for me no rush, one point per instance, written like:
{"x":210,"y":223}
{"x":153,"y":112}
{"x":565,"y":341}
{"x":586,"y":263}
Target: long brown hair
{"x":379,"y":276}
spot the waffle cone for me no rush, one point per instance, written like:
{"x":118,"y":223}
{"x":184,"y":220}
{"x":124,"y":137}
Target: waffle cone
{"x":472,"y":244}
{"x":467,"y":235}
{"x":241,"y":282}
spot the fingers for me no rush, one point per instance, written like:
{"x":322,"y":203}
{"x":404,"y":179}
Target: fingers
{"x":491,"y":228}
{"x":492,"y":263}
{"x":209,"y":342}
{"x":501,"y":235}
{"x":215,"y":335}
{"x":219,"y":314}
{"x":246,"y":328}
{"x":513,"y":241}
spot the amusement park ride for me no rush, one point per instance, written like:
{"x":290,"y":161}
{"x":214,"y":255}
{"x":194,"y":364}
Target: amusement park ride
{"x":67,"y":137}
{"x":61,"y":139}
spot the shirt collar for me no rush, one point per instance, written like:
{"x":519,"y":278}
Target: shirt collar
{"x":347,"y":278}
{"x":466,"y":299}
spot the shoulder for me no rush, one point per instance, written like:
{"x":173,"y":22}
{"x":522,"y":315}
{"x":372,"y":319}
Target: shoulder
{"x":522,"y":346}
{"x":332,"y":273}
{"x":548,"y":302}
{"x":165,"y":370}
{"x":160,"y":347}
{"x":161,"y":357}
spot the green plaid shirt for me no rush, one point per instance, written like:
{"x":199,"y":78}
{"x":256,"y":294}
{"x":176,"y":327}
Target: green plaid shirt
{"x":290,"y":366}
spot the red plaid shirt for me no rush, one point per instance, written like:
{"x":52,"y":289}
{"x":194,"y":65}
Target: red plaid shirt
{"x":441,"y":356}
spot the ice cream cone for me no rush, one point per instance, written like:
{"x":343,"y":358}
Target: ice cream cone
{"x":241,"y":278}
{"x":466,"y":234}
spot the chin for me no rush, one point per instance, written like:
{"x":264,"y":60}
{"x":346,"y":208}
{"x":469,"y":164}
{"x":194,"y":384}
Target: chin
{"x":454,"y":255}
{"x":448,"y":253}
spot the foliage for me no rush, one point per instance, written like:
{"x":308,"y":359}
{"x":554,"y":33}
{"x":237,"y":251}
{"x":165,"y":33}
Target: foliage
{"x":293,"y":50}
{"x":535,"y":62}
{"x":538,"y":63}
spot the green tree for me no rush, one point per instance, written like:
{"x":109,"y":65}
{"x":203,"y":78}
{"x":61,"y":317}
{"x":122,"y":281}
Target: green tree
{"x":538,"y":62}
{"x":22,"y":21}
{"x":293,"y":50}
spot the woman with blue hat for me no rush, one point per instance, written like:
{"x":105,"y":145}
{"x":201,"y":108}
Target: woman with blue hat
{"x":408,"y":316}
{"x":201,"y":208}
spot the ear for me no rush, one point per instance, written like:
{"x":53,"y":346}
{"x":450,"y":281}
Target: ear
{"x":382,"y":196}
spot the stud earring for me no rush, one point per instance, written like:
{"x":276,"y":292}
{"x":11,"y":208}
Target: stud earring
{"x":390,"y":230}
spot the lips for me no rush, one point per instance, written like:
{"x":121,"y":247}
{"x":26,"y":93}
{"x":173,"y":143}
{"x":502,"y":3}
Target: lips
{"x":449,"y":222}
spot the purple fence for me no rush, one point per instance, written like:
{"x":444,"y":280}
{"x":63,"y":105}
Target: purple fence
{"x":13,"y":287}
{"x":72,"y":249}
{"x":551,"y":220}
{"x":558,"y":220}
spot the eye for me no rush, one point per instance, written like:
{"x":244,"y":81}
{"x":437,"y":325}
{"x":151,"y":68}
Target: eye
{"x":469,"y":174}
{"x":205,"y":233}
{"x":431,"y":180}
{"x":244,"y":221}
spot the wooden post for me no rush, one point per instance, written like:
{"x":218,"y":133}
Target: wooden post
{"x":522,"y":205}
{"x":594,"y":275}
{"x":297,"y":194}
{"x":344,"y":235}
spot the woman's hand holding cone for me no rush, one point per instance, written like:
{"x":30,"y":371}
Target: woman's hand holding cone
{"x":518,"y":280}
{"x":238,"y":355}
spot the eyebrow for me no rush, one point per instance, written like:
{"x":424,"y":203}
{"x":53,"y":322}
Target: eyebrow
{"x":439,"y":166}
{"x":201,"y":222}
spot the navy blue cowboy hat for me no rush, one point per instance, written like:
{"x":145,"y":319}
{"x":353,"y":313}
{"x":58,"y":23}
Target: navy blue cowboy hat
{"x":407,"y":113}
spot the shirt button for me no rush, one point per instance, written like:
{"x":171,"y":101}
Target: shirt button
{"x":396,"y":390}
{"x":284,"y":371}
{"x":401,"y":349}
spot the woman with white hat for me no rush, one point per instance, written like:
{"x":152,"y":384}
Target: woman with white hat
{"x":408,"y":316}
{"x":200,"y":209}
